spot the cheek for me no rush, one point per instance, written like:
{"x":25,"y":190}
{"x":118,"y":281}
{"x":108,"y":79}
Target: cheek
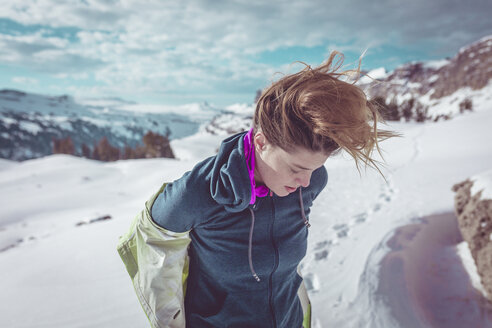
{"x":285,"y":177}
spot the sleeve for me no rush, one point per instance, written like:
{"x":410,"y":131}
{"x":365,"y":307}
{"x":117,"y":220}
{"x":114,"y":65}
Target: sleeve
{"x":186,"y":202}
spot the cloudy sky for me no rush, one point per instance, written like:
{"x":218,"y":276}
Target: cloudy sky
{"x":176,"y":52}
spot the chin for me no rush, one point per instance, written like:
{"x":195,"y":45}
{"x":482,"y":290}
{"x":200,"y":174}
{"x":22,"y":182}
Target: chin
{"x":282,"y":194}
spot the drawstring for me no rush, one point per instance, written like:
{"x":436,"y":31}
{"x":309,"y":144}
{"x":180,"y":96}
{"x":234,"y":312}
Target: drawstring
{"x":250,"y":244}
{"x":306,"y":221}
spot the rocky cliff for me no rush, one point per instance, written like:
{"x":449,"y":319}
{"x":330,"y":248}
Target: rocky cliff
{"x":473,"y":207}
{"x":434,"y":90}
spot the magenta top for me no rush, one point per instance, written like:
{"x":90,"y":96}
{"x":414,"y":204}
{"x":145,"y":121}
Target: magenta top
{"x":249,"y":154}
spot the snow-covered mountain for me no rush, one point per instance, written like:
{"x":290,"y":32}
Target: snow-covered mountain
{"x":57,"y":248}
{"x":237,"y":118}
{"x":435,"y":90}
{"x":68,"y":274}
{"x":29,"y":122}
{"x":417,"y":91}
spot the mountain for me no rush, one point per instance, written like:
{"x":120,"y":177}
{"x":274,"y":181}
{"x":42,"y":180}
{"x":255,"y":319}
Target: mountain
{"x":58,"y":256}
{"x":30,"y":122}
{"x":235,"y":119}
{"x":416,"y":91}
{"x":435,"y":90}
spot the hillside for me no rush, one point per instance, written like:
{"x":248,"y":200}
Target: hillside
{"x":435,"y":90}
{"x":30,"y":122}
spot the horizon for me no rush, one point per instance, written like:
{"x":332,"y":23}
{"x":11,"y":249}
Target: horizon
{"x":217,"y":53}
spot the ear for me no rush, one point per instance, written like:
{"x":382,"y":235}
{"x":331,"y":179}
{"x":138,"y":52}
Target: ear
{"x":260,"y":141}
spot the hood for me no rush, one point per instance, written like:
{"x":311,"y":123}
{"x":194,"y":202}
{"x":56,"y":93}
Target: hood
{"x":230,"y":185}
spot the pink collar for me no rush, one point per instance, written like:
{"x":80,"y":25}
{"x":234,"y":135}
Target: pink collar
{"x":249,"y":154}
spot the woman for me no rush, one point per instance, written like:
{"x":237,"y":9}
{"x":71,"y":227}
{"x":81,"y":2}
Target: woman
{"x":246,"y":209}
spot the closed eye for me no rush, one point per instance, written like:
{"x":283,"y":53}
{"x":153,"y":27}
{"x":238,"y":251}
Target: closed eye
{"x":294,"y":171}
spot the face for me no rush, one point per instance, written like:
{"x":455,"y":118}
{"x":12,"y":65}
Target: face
{"x":283,"y":172}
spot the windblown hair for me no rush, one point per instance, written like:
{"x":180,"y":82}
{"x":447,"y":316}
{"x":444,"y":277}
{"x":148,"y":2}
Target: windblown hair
{"x":317,"y":110}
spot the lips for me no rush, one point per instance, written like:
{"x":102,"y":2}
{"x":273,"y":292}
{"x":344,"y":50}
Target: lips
{"x":290,"y":189}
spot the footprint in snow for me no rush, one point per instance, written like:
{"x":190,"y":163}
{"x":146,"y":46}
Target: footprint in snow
{"x":312,"y":282}
{"x":322,"y":250}
{"x":361,"y":218}
{"x":322,"y":255}
{"x":341,"y":229}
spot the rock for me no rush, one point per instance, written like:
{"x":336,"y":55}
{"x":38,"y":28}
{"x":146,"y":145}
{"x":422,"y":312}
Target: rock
{"x":102,"y":218}
{"x":474,"y":215}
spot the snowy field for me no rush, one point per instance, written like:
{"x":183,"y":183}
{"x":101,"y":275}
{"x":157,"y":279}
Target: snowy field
{"x":59,"y":270}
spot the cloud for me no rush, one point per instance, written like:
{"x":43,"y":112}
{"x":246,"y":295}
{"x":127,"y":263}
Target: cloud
{"x":206,"y":46}
{"x":235,"y":27}
{"x":13,"y":48}
{"x":44,"y":53}
{"x":25,"y":80}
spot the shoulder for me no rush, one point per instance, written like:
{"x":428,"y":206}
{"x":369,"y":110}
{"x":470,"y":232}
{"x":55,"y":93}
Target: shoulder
{"x":221,"y":179}
{"x":319,"y":179}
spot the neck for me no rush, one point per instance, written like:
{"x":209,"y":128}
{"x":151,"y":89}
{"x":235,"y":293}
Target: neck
{"x":258,"y":178}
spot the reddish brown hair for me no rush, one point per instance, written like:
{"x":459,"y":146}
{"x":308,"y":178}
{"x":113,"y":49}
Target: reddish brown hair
{"x":317,"y":110}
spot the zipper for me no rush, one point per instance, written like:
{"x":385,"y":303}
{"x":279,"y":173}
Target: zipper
{"x":275,"y":266}
{"x":256,"y":204}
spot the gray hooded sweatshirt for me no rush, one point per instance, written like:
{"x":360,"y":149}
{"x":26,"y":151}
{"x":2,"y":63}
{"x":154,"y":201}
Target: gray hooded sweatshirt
{"x":229,"y":237}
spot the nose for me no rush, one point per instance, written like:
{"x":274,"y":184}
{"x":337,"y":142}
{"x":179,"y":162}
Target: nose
{"x":304,"y":179}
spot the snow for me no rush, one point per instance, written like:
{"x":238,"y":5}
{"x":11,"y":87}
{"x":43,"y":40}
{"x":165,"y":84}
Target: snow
{"x":117,"y":115}
{"x":64,"y":122}
{"x":193,"y":110}
{"x":414,"y":85}
{"x":436,"y":64}
{"x":487,"y":38}
{"x":241,"y":109}
{"x":378,"y":73}
{"x":483,"y":50}
{"x":449,"y":105}
{"x":465,"y":255}
{"x":196,"y":147}
{"x":102,"y":102}
{"x":72,"y":276}
{"x":8,"y":120}
{"x":433,"y":78}
{"x":482,"y":182}
{"x":95,"y":121}
{"x":402,"y":97}
{"x":31,"y":127}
